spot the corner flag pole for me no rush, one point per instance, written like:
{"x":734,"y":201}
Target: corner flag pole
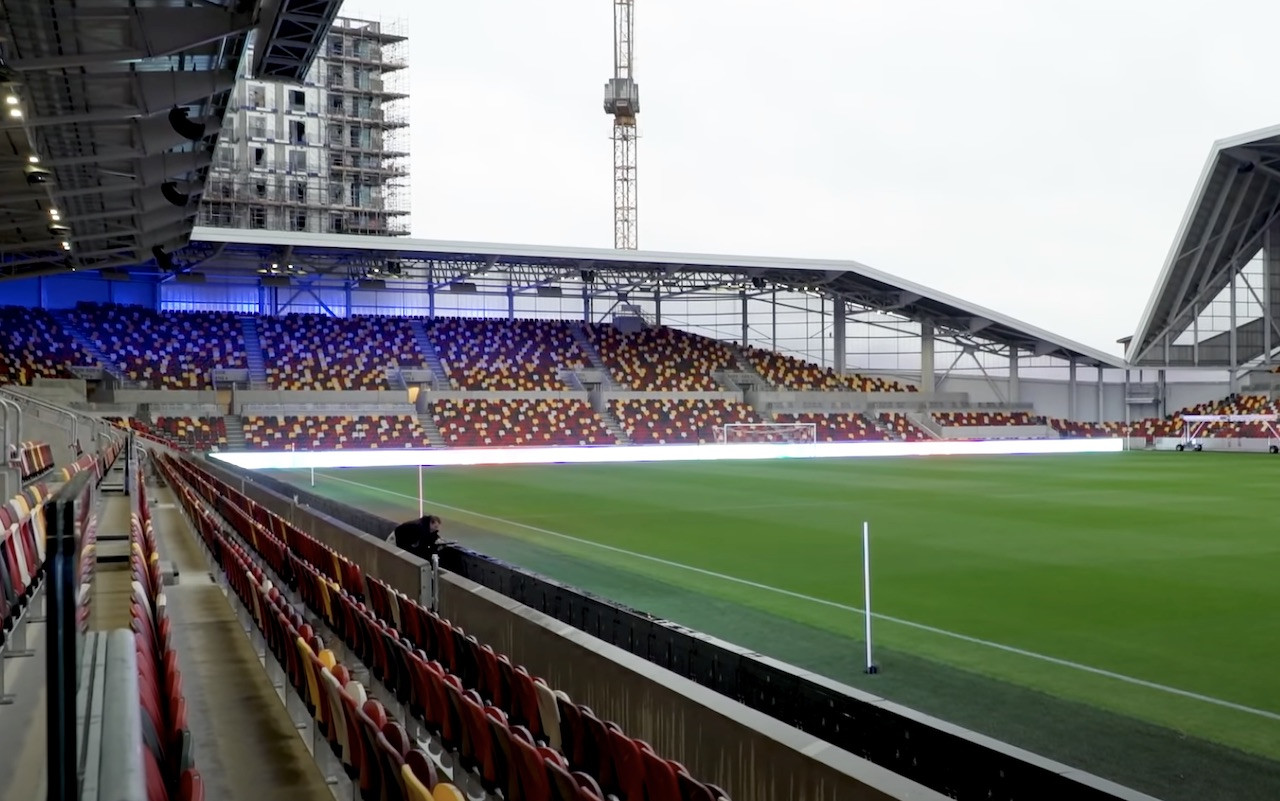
{"x":866,"y":591}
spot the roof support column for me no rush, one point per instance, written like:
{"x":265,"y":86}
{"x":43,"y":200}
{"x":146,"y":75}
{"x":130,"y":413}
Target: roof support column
{"x":1071,"y":389}
{"x":1195,"y":334}
{"x":511,"y":302}
{"x":1270,"y":289}
{"x":746,"y":331}
{"x":1014,"y":395}
{"x":838,"y":314}
{"x":1233,"y":351}
{"x":1102,"y":399}
{"x":927,"y":383}
{"x":657,"y":307}
{"x":773,"y":310}
{"x":586,"y":303}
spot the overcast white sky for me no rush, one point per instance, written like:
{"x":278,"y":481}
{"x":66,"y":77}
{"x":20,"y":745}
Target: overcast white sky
{"x":1034,"y":157}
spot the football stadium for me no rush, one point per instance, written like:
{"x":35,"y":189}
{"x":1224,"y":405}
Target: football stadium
{"x":710,"y":527}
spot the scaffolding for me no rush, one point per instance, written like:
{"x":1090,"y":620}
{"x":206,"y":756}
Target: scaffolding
{"x":326,"y":156}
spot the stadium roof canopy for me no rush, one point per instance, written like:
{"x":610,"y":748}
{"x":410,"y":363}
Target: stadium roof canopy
{"x":109,"y":113}
{"x":528,"y":268}
{"x":1235,"y":205}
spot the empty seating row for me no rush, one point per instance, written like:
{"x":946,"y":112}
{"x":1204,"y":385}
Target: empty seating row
{"x":317,"y":351}
{"x":838,"y":426}
{"x":34,"y":459}
{"x":661,"y":359}
{"x":377,"y":753}
{"x":333,"y":432}
{"x":33,"y":345}
{"x":491,"y":354}
{"x":166,"y":746}
{"x":1082,"y":430}
{"x":520,"y":738}
{"x":497,"y":423}
{"x":21,"y":553}
{"x":970,"y":419}
{"x":675,"y":421}
{"x":788,"y":372}
{"x":164,"y":350}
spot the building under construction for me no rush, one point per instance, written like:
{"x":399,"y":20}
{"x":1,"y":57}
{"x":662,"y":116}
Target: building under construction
{"x":323,"y":156}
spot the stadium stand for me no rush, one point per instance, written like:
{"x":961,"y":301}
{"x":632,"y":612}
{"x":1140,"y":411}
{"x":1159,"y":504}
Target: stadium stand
{"x":678,"y":420}
{"x":34,"y":459}
{"x":1075,"y":429}
{"x":971,"y":419}
{"x":164,"y":350}
{"x":507,"y":728}
{"x":788,"y":372}
{"x":333,"y":432}
{"x":510,"y":355}
{"x":901,"y":427}
{"x":839,"y":427}
{"x":661,"y":359}
{"x":316,"y":351}
{"x":33,"y":345}
{"x":495,"y":423}
{"x":194,"y":433}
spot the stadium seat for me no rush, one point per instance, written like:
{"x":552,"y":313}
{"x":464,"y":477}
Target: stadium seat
{"x":661,"y":359}
{"x":788,"y":372}
{"x":673,"y":421}
{"x":480,"y":423}
{"x":317,"y":351}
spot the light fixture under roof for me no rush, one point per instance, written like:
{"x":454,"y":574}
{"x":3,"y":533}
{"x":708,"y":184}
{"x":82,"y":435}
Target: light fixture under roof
{"x":33,"y":159}
{"x":16,"y":113}
{"x":54,"y":213}
{"x":66,"y":245}
{"x":12,"y":100}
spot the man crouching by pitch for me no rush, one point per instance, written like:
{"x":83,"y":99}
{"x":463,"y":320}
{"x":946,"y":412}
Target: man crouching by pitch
{"x":420,"y":537}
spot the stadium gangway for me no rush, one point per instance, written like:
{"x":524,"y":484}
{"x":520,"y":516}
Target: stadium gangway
{"x":1194,"y":425}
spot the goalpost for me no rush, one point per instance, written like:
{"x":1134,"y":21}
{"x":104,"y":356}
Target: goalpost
{"x":767,"y":432}
{"x":1195,"y":425}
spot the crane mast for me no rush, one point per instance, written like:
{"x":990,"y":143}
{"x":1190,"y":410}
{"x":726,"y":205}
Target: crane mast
{"x":622,"y":102}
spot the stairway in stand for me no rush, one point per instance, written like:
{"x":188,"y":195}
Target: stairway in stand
{"x":235,"y":432}
{"x":253,"y":349}
{"x":428,"y":425}
{"x":613,"y":425}
{"x":63,"y":316}
{"x":439,"y":378}
{"x":593,"y":356}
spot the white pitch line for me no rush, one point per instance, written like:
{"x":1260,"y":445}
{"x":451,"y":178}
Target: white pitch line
{"x":1263,"y":713}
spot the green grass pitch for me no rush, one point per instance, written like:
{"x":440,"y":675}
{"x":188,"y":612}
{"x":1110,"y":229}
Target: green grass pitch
{"x":1140,"y":587}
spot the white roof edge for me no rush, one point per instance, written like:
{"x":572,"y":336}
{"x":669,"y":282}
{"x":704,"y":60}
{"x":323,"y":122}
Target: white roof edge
{"x":409,"y":245}
{"x":1197,"y":197}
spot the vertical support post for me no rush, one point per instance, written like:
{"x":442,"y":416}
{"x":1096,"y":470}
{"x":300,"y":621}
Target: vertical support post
{"x":1071,"y":389}
{"x":838,"y":334}
{"x":657,"y":306}
{"x":1233,"y":336}
{"x":1014,"y":391}
{"x":746,"y":331}
{"x":866,"y":593}
{"x":773,"y":310}
{"x":421,"y":499}
{"x":1101,"y":398}
{"x":511,"y":302}
{"x":586,"y":303}
{"x":435,"y":583}
{"x":928,"y":381}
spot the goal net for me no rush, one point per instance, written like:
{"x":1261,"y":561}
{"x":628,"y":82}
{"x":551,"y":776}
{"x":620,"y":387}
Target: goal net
{"x":767,"y":432}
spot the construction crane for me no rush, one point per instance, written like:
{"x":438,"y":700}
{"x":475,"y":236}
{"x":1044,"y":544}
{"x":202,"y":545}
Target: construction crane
{"x":622,"y":102}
